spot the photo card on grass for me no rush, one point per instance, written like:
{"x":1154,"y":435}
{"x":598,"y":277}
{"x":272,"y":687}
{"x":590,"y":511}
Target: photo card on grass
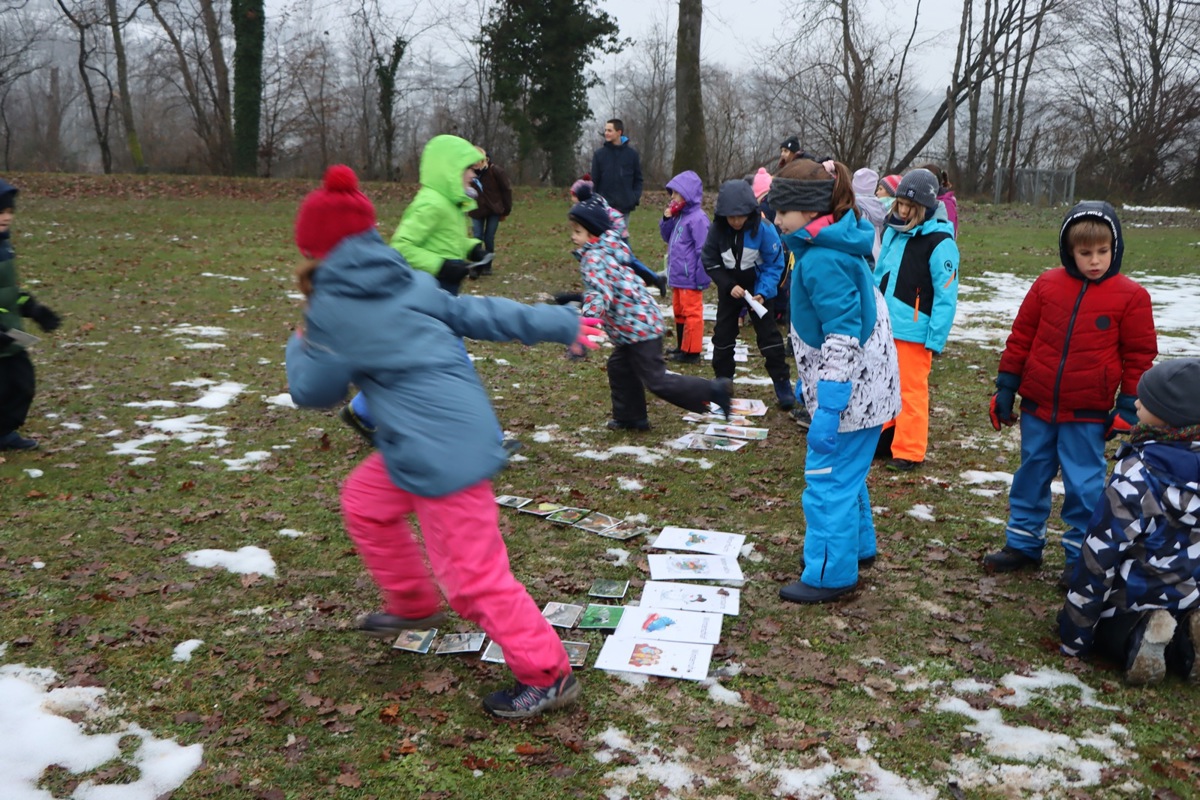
{"x":603,"y":587}
{"x":693,"y":567}
{"x":541,"y":509}
{"x":596,"y":522}
{"x":512,"y":501}
{"x":600,"y":617}
{"x":492,"y":653}
{"x":696,"y":540}
{"x":568,"y":515}
{"x":562,"y":615}
{"x":691,"y":597}
{"x":737,"y":432}
{"x":624,"y":531}
{"x":670,"y":624}
{"x":415,"y":641}
{"x":699,"y":441}
{"x":742,"y":406}
{"x":685,"y":660}
{"x":576,"y":652}
{"x":461,"y":643}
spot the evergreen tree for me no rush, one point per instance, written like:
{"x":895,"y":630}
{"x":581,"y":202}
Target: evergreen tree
{"x":248,"y":35}
{"x":539,"y":51}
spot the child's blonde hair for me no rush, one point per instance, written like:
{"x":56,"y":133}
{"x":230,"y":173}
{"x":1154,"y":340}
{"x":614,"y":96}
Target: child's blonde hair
{"x":1089,"y":232}
{"x":304,"y":275}
{"x":914,"y":218}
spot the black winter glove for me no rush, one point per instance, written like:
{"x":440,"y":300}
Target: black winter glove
{"x":1001,"y":407}
{"x":477,"y":253}
{"x":453,"y":271}
{"x":46,"y":319}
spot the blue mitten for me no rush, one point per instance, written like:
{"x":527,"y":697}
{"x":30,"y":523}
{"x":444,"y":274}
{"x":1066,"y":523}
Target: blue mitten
{"x":832,"y":399}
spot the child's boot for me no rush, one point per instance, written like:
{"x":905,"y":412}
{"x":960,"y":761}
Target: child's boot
{"x":1006,"y":559}
{"x":784,"y":394}
{"x":686,"y":358}
{"x":522,"y":701}
{"x":1145,"y":661}
{"x":1181,"y":653}
{"x":359,"y":424}
{"x":722,"y":395}
{"x":15,"y":441}
{"x":678,"y":348}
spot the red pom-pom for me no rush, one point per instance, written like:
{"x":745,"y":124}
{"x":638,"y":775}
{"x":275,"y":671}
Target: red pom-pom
{"x":340,"y":178}
{"x":587,"y":176}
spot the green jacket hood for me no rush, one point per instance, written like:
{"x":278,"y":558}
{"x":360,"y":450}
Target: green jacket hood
{"x":443,"y":162}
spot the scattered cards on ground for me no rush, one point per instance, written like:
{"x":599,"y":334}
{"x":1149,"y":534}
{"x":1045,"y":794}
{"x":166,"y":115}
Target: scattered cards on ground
{"x":655,"y":657}
{"x":708,"y":419}
{"x":602,"y":587}
{"x":698,"y":441}
{"x":415,"y":641}
{"x":576,"y":652}
{"x":603,"y":617}
{"x":596,"y":522}
{"x":736,"y":431}
{"x":541,"y":509}
{"x":670,"y":624}
{"x":623,"y":531}
{"x":568,"y":516}
{"x":695,"y":540}
{"x":690,"y":597}
{"x":461,"y":643}
{"x":745,"y":407}
{"x":562,"y":615}
{"x":493,"y":653}
{"x":697,"y":567}
{"x":512,"y":501}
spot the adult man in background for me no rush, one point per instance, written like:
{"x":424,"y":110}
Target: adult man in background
{"x":617,"y":169}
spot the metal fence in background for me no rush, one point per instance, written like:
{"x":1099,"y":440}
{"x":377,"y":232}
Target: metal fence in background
{"x":1036,"y":187}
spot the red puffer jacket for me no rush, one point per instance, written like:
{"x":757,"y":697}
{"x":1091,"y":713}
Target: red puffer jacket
{"x":1075,"y":342}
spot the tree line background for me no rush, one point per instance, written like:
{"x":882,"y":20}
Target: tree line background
{"x":1109,"y":88}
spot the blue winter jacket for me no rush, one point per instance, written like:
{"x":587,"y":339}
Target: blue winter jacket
{"x":374,"y":321}
{"x":917,"y":273}
{"x":832,"y":291}
{"x":685,"y":234}
{"x":1142,"y":549}
{"x":617,"y":175}
{"x":751,"y":257}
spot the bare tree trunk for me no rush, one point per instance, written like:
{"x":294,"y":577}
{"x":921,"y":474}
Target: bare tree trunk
{"x":125,"y":104}
{"x":1019,"y":124}
{"x":891,"y":156}
{"x":223,"y":109}
{"x":691,"y":145}
{"x":99,"y":123}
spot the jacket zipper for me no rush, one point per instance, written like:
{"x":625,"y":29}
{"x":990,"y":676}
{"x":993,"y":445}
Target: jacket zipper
{"x":1062,"y":363}
{"x":917,"y":307}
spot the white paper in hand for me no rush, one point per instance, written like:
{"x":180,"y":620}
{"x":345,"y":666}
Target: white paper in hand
{"x":22,"y":338}
{"x":756,"y":306}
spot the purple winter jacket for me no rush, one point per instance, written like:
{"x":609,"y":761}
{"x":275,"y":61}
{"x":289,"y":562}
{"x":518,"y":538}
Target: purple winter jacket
{"x":685,"y":233}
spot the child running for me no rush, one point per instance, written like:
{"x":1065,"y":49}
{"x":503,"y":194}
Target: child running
{"x":374,"y":321}
{"x":634,"y":323}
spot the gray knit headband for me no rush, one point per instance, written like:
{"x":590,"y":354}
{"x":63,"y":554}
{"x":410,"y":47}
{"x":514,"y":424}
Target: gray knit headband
{"x":788,"y":194}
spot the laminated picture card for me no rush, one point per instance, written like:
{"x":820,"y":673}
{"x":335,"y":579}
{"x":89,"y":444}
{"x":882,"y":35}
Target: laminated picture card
{"x":692,"y":597}
{"x":695,"y":540}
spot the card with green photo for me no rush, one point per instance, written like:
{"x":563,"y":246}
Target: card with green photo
{"x":568,"y":516}
{"x":602,"y":587}
{"x":601,"y":617}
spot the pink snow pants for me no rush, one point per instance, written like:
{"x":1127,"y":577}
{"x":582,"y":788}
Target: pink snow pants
{"x":462,"y":540}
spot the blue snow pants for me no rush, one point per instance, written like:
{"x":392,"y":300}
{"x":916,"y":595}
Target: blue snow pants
{"x":1077,"y":448}
{"x":837,"y":511}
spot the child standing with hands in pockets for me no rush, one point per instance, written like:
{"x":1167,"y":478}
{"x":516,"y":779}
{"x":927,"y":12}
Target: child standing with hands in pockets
{"x":374,"y":321}
{"x":684,"y":227}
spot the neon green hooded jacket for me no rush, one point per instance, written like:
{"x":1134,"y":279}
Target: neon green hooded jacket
{"x":434,"y":226}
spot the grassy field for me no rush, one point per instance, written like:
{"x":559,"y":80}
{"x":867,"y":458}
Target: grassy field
{"x":906,"y":690}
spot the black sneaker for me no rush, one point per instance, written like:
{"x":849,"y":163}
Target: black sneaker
{"x":381,"y":625}
{"x":722,"y":395}
{"x":15,"y":441}
{"x":521,"y":701}
{"x":1145,"y":661}
{"x":364,"y":430}
{"x":785,"y":396}
{"x":902,"y":465}
{"x":686,"y":358}
{"x":801,"y":416}
{"x":1007,"y":559}
{"x":622,"y":425}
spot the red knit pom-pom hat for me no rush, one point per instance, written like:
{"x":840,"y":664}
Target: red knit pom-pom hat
{"x":333,"y":212}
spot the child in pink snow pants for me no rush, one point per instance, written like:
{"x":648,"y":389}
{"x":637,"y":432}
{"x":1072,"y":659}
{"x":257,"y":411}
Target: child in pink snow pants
{"x":373,"y":321}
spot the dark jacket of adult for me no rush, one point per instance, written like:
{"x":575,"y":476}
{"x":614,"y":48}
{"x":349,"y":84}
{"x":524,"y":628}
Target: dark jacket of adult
{"x":495,"y":196}
{"x":617,"y":175}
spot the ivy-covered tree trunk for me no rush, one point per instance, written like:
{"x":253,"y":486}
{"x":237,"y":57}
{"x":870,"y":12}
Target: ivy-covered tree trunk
{"x":248,"y":35}
{"x":539,"y":51}
{"x":385,"y":74}
{"x":691,"y":144}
